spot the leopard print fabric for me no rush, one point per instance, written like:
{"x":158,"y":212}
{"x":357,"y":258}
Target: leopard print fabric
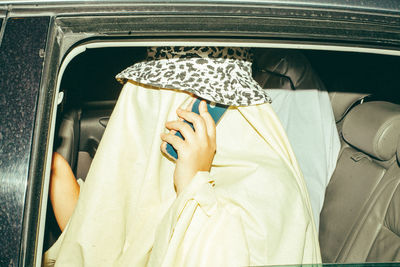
{"x":219,"y":74}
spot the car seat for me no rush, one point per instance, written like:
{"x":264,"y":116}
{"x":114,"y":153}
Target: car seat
{"x":68,"y":136}
{"x":360,"y":216}
{"x":290,"y":69}
{"x":66,"y":144}
{"x":284,"y":69}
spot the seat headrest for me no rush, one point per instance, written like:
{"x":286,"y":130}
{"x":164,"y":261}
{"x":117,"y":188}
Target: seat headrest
{"x":288,"y":63}
{"x":342,"y":102}
{"x":374,"y":128}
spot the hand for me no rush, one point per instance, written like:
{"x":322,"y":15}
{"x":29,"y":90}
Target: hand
{"x":197,"y":151}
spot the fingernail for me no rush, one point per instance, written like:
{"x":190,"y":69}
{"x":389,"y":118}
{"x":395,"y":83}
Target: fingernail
{"x":203,"y":105}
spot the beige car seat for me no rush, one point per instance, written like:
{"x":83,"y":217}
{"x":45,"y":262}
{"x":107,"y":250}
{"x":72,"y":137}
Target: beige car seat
{"x":290,"y":69}
{"x":360,"y":217}
{"x":68,"y":136}
{"x":343,"y":101}
{"x":284,"y":69}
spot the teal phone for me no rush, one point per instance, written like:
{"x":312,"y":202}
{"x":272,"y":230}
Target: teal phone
{"x":216,"y":111}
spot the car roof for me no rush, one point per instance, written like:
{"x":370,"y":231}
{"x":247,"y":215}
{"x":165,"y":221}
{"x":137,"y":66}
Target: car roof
{"x":367,"y":5}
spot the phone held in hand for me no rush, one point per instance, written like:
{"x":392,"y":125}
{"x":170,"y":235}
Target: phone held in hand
{"x":216,"y":111}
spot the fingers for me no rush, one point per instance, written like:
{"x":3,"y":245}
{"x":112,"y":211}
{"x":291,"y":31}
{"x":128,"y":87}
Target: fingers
{"x":209,"y":121}
{"x":203,"y":134}
{"x":190,"y":106}
{"x":163,"y":148}
{"x":184,"y":128}
{"x":203,"y":124}
{"x":172,"y":139}
{"x":197,"y":121}
{"x":187,"y":107}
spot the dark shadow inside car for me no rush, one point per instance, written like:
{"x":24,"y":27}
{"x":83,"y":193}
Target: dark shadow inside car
{"x":359,"y":221}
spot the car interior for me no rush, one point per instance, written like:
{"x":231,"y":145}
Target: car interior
{"x":360,"y":217}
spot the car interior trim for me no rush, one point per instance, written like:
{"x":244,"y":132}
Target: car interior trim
{"x":50,"y":53}
{"x":234,"y":43}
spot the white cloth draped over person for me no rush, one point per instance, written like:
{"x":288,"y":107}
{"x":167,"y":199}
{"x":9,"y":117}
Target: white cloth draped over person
{"x":251,"y":209}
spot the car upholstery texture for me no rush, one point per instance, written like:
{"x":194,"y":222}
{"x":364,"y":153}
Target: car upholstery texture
{"x":68,"y":135}
{"x":360,"y":218}
{"x":343,"y":101}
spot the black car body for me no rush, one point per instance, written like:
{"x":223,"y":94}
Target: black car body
{"x":36,"y":37}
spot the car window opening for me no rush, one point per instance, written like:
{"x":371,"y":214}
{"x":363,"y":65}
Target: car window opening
{"x":358,"y":88}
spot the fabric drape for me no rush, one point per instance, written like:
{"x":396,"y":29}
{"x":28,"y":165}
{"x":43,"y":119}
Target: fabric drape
{"x":309,"y":123}
{"x":252,"y":208}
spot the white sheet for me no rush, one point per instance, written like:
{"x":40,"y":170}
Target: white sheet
{"x":307,"y":117}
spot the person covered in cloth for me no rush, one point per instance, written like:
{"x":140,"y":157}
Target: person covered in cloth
{"x":234,"y":197}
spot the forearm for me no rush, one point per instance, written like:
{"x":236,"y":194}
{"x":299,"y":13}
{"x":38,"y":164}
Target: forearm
{"x":64,"y":190}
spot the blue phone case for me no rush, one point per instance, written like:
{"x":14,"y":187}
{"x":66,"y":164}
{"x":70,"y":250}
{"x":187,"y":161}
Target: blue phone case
{"x":216,"y":111}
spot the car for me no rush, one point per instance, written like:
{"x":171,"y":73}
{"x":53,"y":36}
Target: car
{"x":58,"y":60}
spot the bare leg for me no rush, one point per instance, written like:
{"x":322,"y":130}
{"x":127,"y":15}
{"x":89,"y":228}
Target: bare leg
{"x":64,"y":190}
